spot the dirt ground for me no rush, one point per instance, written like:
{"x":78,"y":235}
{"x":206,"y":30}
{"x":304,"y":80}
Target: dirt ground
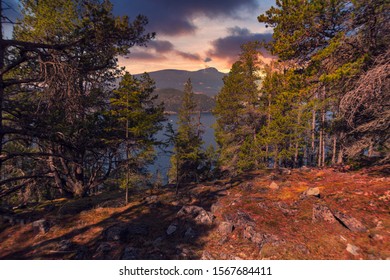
{"x":289,"y":214}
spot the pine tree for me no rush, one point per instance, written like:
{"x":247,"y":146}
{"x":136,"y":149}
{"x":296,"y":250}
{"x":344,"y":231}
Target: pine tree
{"x":138,"y":120}
{"x":55,"y":82}
{"x":287,"y":118}
{"x":187,"y":154}
{"x":334,"y":43}
{"x":239,"y":113}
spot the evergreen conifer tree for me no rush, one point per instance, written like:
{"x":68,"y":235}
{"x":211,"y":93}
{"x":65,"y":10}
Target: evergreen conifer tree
{"x":136,"y":120}
{"x":187,"y":154}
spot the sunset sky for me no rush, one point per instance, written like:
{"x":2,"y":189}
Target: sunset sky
{"x":192,"y":35}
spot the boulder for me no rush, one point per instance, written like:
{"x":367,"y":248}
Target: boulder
{"x":240,"y":219}
{"x":215,"y":207}
{"x":171,"y":229}
{"x":354,"y":250}
{"x":273,"y":186}
{"x":349,"y":222}
{"x":248,"y":232}
{"x":189,"y":210}
{"x":197,"y":214}
{"x":42,"y":225}
{"x":251,"y":234}
{"x":312,"y":192}
{"x":285,"y":208}
{"x":205,"y":218}
{"x":116,"y":232}
{"x":377,"y":237}
{"x":322,"y":213}
{"x":225,"y":228}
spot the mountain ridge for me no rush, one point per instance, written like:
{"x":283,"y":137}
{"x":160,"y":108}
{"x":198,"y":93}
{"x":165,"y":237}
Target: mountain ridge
{"x":206,"y":81}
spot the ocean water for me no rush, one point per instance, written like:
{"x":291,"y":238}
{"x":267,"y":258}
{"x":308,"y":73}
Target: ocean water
{"x":162,"y":162}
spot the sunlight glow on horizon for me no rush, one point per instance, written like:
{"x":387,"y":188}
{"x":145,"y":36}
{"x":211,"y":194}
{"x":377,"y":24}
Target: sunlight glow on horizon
{"x":199,"y":44}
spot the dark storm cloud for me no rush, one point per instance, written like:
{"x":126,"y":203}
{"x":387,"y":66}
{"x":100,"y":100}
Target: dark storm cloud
{"x":156,"y":50}
{"x":207,"y":59}
{"x":174,"y":17}
{"x":161,"y":46}
{"x":229,"y":47}
{"x":189,"y":56}
{"x":146,"y":56}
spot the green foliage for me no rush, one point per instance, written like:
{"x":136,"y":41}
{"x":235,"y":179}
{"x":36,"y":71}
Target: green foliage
{"x":187,"y":154}
{"x":288,"y":115}
{"x":238,"y":110}
{"x":334,"y":43}
{"x":135,"y":120}
{"x":132,"y":105}
{"x":172,"y":100}
{"x":62,"y":65}
{"x":303,"y":27}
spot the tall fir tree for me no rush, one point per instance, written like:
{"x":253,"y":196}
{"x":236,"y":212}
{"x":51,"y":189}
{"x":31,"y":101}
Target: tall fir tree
{"x":187,"y":155}
{"x":238,"y":112}
{"x":136,"y":120}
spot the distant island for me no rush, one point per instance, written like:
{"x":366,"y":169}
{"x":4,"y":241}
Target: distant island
{"x":172,"y":99}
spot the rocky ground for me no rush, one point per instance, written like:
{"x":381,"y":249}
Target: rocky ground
{"x":289,"y":214}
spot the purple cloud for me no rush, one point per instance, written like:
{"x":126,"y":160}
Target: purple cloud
{"x":229,"y":47}
{"x":174,"y":17}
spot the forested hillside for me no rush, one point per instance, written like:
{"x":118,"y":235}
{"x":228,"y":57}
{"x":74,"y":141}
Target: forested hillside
{"x":172,"y":100}
{"x":324,"y":102}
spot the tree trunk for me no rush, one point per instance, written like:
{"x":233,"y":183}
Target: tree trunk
{"x":313,"y":138}
{"x":127,"y":156}
{"x":276,"y":158}
{"x":268,"y":125}
{"x":340,"y":156}
{"x":320,"y":148}
{"x":297,"y":141}
{"x":305,"y":160}
{"x":334,"y":150}
{"x":79,"y":187}
{"x":79,"y":190}
{"x":127,"y":186}
{"x":323,"y":145}
{"x":341,"y":150}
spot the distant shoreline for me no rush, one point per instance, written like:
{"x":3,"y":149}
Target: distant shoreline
{"x":175,"y":113}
